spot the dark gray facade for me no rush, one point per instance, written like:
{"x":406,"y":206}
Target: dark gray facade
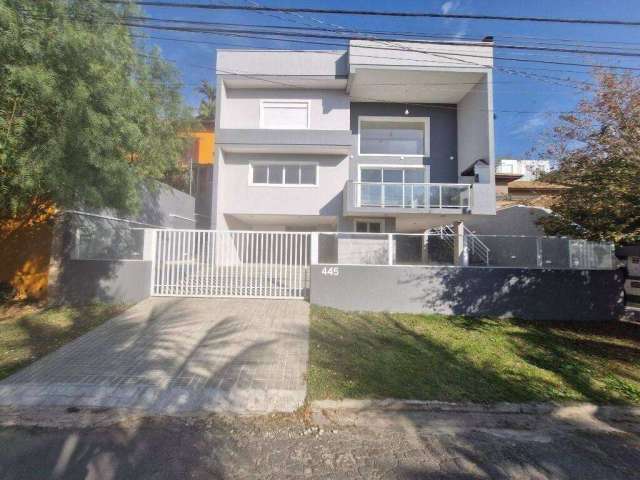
{"x":443,"y":138}
{"x":542,"y":295}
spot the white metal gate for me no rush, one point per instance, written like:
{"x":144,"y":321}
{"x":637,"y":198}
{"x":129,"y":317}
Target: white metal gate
{"x":210,"y":263}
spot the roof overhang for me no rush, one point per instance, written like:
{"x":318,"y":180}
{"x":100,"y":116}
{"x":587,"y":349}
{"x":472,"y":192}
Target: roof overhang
{"x":413,"y":85}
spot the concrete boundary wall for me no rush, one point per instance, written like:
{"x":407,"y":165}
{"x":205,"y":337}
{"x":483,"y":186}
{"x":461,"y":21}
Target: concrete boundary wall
{"x":531,"y":294}
{"x":116,"y":281}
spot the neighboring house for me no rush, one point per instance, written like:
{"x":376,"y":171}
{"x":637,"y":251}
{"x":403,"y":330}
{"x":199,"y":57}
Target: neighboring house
{"x":199,"y":160}
{"x":524,"y":169}
{"x":382,"y":137}
{"x":631,"y":257}
{"x":521,"y":199}
{"x":517,"y":183}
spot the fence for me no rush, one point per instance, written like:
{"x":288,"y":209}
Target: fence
{"x":208,"y":263}
{"x":464,"y":250}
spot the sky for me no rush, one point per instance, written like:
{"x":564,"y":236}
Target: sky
{"x":528,"y":96}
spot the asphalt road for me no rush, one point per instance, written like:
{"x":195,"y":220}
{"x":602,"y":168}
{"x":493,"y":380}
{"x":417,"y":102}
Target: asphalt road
{"x":323,"y":445}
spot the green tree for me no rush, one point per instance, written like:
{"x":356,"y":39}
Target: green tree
{"x":86,"y":115}
{"x":598,"y":154}
{"x":207,"y":108}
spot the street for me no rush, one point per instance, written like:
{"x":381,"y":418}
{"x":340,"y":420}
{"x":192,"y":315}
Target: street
{"x":373,"y":444}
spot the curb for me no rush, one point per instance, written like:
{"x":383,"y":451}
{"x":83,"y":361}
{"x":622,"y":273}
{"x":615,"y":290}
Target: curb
{"x":395,"y":405}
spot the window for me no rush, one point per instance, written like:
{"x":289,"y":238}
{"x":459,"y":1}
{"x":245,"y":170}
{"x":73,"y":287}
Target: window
{"x":283,"y":174}
{"x":392,"y":186}
{"x":284,"y":114}
{"x":369,"y":226}
{"x":394,"y":136}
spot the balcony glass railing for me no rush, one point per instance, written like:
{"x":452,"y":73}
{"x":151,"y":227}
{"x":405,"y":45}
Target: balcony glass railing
{"x":411,"y":195}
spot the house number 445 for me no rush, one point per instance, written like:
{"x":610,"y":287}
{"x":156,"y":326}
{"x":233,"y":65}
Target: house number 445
{"x":331,"y":271}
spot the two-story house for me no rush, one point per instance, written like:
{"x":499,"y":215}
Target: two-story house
{"x":381,"y":137}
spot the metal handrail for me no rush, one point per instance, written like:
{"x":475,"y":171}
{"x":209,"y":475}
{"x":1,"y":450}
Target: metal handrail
{"x":476,"y":246}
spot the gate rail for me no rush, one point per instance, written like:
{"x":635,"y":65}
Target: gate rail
{"x":211,"y":263}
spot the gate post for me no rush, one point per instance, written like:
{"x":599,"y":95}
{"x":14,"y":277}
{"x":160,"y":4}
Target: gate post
{"x":313,"y":260}
{"x":460,"y":252}
{"x":150,"y":242}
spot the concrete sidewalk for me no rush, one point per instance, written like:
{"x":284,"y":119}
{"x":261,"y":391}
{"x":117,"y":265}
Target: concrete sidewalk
{"x":168,"y":355}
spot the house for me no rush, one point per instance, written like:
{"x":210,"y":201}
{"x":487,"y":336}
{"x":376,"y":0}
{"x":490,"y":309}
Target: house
{"x":198,"y":160}
{"x":524,"y":169}
{"x":521,"y":199}
{"x":381,"y":137}
{"x":517,"y":183}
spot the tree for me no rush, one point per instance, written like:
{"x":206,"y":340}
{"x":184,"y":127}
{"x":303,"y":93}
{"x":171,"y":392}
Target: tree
{"x":207,"y":108}
{"x":598,"y":154}
{"x":85,"y":114}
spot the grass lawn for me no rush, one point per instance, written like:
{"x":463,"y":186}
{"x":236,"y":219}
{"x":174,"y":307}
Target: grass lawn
{"x":435,"y":357}
{"x":28,"y":332}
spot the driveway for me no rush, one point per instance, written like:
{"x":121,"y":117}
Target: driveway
{"x":170,"y":355}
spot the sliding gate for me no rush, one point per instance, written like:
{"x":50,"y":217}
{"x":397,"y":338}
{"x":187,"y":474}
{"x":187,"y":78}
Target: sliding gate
{"x":210,"y":263}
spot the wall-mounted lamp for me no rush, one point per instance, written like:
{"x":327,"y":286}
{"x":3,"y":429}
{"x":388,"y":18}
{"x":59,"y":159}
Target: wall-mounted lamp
{"x":406,"y":110}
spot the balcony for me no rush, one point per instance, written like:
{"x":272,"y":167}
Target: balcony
{"x":382,"y":197}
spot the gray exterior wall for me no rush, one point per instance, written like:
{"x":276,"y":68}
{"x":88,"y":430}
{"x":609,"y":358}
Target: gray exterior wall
{"x":516,"y":220}
{"x":83,"y":281}
{"x":443,"y":139}
{"x":411,"y":55}
{"x":283,"y":140}
{"x":590,"y":295}
{"x":328,"y":109}
{"x":236,"y":196}
{"x":112,"y":280}
{"x":282,"y":62}
{"x":162,"y":206}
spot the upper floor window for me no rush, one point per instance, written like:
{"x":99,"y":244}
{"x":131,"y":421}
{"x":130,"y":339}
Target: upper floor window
{"x":283,"y":174}
{"x":284,"y":114}
{"x":394,"y":136}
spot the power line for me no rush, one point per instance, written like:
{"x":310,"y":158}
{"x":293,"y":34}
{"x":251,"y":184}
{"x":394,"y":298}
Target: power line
{"x":300,"y":17}
{"x":412,"y":39}
{"x":212,"y":6}
{"x":231,"y":44}
{"x":203,"y":42}
{"x":378,"y":100}
{"x":260,"y":34}
{"x":555,"y":81}
{"x":263,"y":35}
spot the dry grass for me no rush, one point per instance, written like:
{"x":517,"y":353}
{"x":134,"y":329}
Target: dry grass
{"x":28,"y":331}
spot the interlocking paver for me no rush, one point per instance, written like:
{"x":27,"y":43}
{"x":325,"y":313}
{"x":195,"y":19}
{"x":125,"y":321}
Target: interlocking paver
{"x":168,"y":354}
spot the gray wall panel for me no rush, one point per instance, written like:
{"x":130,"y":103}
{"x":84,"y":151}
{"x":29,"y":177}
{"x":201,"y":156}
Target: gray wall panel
{"x":443,"y":138}
{"x":565,"y":295}
{"x":84,"y":281}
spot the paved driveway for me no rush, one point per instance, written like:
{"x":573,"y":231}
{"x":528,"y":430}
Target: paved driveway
{"x":170,"y":355}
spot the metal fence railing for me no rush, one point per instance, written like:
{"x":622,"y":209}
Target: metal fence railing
{"x":444,"y":248}
{"x":411,"y":195}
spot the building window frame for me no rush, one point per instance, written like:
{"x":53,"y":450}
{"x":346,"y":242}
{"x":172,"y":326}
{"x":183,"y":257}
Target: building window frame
{"x":298,"y":164}
{"x":266,"y":101}
{"x":426,"y":121}
{"x":368,"y":222}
